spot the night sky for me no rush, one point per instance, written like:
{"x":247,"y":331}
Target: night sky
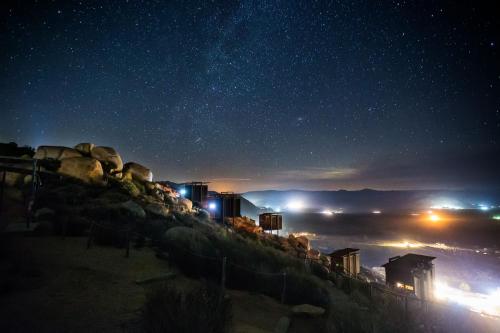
{"x":262,"y":94}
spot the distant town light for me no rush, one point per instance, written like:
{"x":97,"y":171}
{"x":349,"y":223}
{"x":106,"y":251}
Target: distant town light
{"x":484,"y":207}
{"x":295,"y":205}
{"x":434,"y":217}
{"x":376,"y":212}
{"x":327,"y":212}
{"x":212,"y":206}
{"x":488,"y":304}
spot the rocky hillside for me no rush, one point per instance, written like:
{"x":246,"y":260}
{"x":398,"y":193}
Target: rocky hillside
{"x":88,"y":193}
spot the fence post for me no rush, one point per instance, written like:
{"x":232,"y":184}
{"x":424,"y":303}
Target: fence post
{"x":406,"y":307}
{"x":2,"y":190}
{"x":283,"y":291}
{"x":223,"y":275}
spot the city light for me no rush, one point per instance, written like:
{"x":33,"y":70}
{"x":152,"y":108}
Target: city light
{"x":408,"y":244}
{"x":403,"y":244}
{"x":327,"y":212}
{"x":484,"y":207}
{"x":295,"y":206}
{"x":376,"y":212}
{"x":488,"y":304}
{"x":434,"y":217}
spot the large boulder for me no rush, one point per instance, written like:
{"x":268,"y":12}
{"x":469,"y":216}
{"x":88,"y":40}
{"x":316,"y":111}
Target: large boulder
{"x":303,"y":242}
{"x":85,"y":148}
{"x":132,"y":170}
{"x":156,"y":209}
{"x":134,"y":209}
{"x":109,"y":158}
{"x":244,"y":224}
{"x":13,"y":178}
{"x":55,"y":152}
{"x":186,"y":203}
{"x":87,"y":169}
{"x":313,"y":254}
{"x":307,"y":310}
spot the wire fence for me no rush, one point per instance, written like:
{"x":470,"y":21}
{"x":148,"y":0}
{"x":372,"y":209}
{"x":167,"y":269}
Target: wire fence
{"x":233,"y":275}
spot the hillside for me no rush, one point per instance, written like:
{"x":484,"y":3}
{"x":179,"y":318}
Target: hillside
{"x":112,"y":250}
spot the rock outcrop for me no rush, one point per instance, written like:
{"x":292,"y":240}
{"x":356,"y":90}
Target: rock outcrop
{"x":245,"y":224}
{"x":156,"y":209}
{"x":85,"y":148}
{"x":134,"y":209}
{"x":87,"y":169}
{"x":132,"y":170}
{"x":185,"y":203}
{"x":109,"y":158}
{"x":55,"y":152}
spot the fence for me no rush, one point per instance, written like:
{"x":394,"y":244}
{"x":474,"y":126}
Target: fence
{"x":20,"y":166}
{"x":231,"y":274}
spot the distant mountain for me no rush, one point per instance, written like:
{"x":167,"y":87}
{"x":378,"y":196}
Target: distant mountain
{"x":368,"y":200}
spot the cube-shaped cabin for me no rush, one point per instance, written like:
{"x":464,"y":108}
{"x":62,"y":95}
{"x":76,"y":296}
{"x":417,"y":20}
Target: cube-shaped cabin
{"x":413,"y":273}
{"x":196,"y":192}
{"x":346,"y":260}
{"x":224,"y":205}
{"x":271,"y":221}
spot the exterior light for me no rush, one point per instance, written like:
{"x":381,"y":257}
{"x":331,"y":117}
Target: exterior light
{"x":183,"y":191}
{"x":212,"y":206}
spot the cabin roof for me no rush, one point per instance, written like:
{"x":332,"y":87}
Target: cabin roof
{"x":343,"y":252}
{"x":270,"y":214}
{"x":410,"y":259}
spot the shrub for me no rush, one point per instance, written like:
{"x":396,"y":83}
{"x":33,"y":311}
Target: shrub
{"x":200,"y":310}
{"x":305,"y":288}
{"x":192,"y":252}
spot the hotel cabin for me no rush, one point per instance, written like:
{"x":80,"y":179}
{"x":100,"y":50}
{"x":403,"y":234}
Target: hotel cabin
{"x":412,"y":273}
{"x":346,"y":261}
{"x":197,"y":192}
{"x":271,"y":221}
{"x":227,"y":205}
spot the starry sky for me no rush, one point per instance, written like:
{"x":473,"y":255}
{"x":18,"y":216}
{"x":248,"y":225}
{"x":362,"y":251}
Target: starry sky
{"x":262,"y":94}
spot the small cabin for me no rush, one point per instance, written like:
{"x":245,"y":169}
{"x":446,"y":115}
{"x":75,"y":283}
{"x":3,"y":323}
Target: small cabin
{"x":346,"y":260}
{"x":224,"y":205}
{"x":271,"y":221}
{"x":196,"y":192}
{"x":412,"y":273}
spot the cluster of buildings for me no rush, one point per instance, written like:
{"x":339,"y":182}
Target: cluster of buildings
{"x":410,"y":273}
